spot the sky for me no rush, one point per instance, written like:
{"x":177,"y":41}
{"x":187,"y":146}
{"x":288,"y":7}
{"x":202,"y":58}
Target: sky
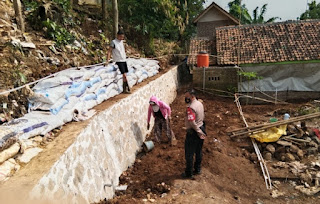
{"x":285,"y":9}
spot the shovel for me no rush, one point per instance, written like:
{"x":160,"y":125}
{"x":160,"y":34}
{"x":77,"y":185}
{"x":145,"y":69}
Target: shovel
{"x":173,"y":140}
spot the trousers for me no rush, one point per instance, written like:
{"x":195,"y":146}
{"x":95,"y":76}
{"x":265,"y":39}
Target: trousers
{"x":159,"y":124}
{"x":193,"y":146}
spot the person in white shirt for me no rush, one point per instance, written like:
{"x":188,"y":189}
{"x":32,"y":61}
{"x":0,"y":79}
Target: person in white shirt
{"x":119,"y":56}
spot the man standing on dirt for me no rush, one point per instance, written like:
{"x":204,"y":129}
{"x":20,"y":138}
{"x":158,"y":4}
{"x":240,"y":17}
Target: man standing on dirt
{"x":119,"y":56}
{"x":161,"y":112}
{"x":196,"y":134}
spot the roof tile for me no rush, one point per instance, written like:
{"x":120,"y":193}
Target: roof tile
{"x":274,"y":42}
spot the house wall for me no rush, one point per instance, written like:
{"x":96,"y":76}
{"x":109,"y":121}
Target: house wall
{"x":207,"y":29}
{"x":213,"y":15}
{"x":219,"y":78}
{"x":89,"y":170}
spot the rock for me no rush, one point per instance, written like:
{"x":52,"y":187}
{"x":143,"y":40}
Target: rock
{"x":313,"y":144}
{"x":282,"y":157}
{"x":312,"y":150}
{"x":267,"y":156}
{"x":300,"y":153}
{"x":289,"y":157}
{"x":10,"y":152}
{"x":306,"y":177}
{"x":284,"y":143}
{"x":316,"y":139}
{"x":121,"y":188}
{"x":276,"y":194}
{"x":294,"y":149}
{"x":29,"y":154}
{"x":308,"y":191}
{"x":270,"y":148}
{"x":253,"y":157}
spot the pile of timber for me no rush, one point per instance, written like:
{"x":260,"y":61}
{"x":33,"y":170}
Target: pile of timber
{"x":247,"y":131}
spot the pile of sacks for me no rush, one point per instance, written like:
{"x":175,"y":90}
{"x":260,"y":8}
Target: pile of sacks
{"x":69,"y":95}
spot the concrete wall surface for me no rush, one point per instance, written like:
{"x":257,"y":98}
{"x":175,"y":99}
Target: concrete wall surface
{"x":90,"y":168}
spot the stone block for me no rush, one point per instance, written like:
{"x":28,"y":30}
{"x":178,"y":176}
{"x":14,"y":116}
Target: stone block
{"x":270,"y":148}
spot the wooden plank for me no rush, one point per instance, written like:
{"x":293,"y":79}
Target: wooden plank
{"x":263,"y":127}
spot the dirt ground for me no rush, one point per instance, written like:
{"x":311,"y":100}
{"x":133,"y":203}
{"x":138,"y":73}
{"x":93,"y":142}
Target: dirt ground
{"x":229,"y":174}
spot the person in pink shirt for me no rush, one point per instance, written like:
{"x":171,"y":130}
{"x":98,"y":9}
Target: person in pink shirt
{"x":161,"y":113}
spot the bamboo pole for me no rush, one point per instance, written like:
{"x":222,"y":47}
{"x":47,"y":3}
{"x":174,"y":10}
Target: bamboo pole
{"x":263,"y":127}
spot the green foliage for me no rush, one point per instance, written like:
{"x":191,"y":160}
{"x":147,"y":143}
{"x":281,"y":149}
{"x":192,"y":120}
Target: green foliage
{"x":166,"y":19}
{"x":30,"y":5}
{"x":64,"y":4}
{"x":249,"y":75}
{"x":59,"y":34}
{"x":313,"y":11}
{"x":19,"y":77}
{"x":238,"y":10}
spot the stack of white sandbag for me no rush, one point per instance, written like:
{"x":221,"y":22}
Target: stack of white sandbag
{"x":55,"y":99}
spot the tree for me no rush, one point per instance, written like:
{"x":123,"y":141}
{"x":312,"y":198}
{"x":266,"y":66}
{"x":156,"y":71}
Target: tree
{"x":313,"y":12}
{"x":104,"y":12}
{"x":18,"y":13}
{"x":240,"y":11}
{"x":259,"y":17}
{"x":115,"y":16}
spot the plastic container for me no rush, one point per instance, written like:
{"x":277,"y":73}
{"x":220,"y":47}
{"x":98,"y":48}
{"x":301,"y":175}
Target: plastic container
{"x":148,"y":146}
{"x":272,"y":120}
{"x":286,"y":116}
{"x":203,"y":59}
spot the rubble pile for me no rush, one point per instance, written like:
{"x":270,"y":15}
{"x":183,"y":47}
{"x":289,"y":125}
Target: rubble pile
{"x":299,"y":142}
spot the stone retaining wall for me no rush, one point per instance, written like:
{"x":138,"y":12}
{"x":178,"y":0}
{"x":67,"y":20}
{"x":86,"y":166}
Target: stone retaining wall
{"x":90,"y":168}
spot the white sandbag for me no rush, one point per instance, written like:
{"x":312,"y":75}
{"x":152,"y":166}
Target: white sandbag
{"x":110,"y":75}
{"x":49,"y":96}
{"x":58,"y":106}
{"x":90,"y":96}
{"x":137,"y":66}
{"x":39,"y":106}
{"x":77,"y":89}
{"x":51,"y":82}
{"x":88,"y":74}
{"x":113,"y":93}
{"x":7,"y":168}
{"x":102,"y":97}
{"x":94,"y":87}
{"x":90,"y":104}
{"x":110,"y":87}
{"x":27,"y":144}
{"x":10,"y":152}
{"x":28,"y":155}
{"x":152,"y":63}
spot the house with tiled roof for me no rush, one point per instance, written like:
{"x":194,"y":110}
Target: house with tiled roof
{"x":268,"y":43}
{"x":286,"y":55}
{"x":207,"y":21}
